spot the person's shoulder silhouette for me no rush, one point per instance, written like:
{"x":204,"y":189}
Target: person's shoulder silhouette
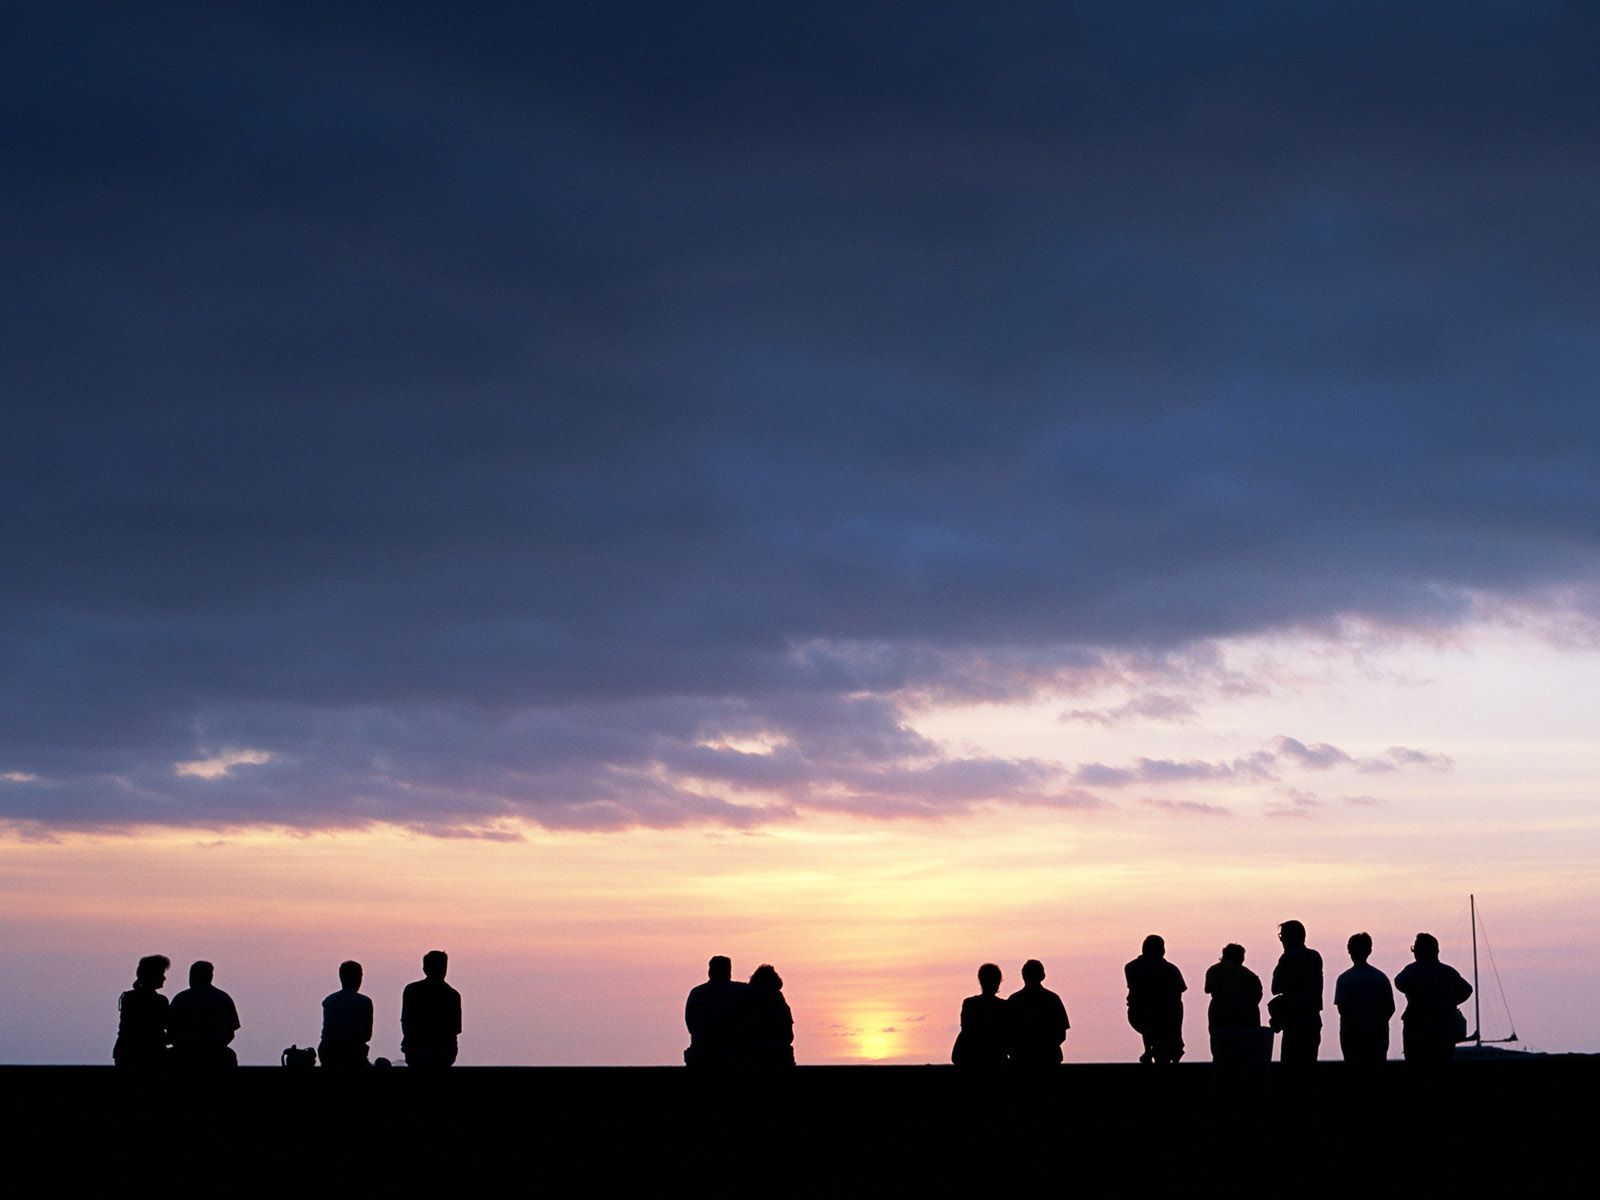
{"x":1036,"y":1020}
{"x":716,"y":1015}
{"x":142,"y":1016}
{"x":346,"y":1021}
{"x":203,"y":1020}
{"x":982,"y":1042}
{"x":430,"y":1016}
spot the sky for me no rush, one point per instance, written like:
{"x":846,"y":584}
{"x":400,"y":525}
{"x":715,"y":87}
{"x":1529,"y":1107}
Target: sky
{"x":868,"y":488}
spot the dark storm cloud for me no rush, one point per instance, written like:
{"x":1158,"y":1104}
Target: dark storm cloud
{"x":481,"y":408}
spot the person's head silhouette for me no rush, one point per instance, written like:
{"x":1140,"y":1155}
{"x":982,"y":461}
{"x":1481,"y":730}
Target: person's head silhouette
{"x":434,"y":964}
{"x":350,"y":975}
{"x":989,"y":978}
{"x":1292,"y":934}
{"x":152,"y":972}
{"x":1233,"y":953}
{"x":1360,"y":947}
{"x":1032,"y":972}
{"x":200,"y":974}
{"x":1425,"y":946}
{"x":720,"y":968}
{"x":766,"y":976}
{"x":1155,"y":945}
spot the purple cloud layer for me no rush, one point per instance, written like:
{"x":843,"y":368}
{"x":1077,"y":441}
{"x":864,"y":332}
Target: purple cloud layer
{"x":487,"y":413}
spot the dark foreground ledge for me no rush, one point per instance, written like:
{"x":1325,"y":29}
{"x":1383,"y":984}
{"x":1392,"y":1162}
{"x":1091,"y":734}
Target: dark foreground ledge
{"x":1488,"y":1126}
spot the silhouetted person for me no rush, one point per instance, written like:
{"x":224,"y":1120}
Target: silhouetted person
{"x":770,"y":1023}
{"x":1431,"y":1024}
{"x":716,"y":1014}
{"x":1365,"y":1002}
{"x":1155,"y":1002}
{"x":203,"y":1020}
{"x":981,"y":1044}
{"x":430,"y":1016}
{"x":346,"y":1022}
{"x":1234,"y":1023}
{"x":1234,"y":1017}
{"x":142,"y":1036}
{"x":1036,"y":1020}
{"x":1296,"y":1006}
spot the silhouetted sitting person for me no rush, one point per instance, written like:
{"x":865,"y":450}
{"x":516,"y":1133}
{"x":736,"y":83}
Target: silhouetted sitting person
{"x":716,"y":1013}
{"x":1234,"y":1017}
{"x":1296,"y":1005}
{"x":1036,"y":1020}
{"x":346,"y":1022}
{"x":203,"y":1021}
{"x":1432,"y":1023}
{"x":769,"y":1021}
{"x":1155,"y":1002}
{"x":981,"y":1044}
{"x":430,"y":1016}
{"x":142,"y":1036}
{"x":1365,"y":1002}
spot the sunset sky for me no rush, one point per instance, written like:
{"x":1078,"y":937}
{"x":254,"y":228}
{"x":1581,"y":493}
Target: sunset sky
{"x":870,"y":488}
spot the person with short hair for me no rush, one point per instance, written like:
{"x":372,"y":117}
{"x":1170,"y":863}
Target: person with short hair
{"x":1432,"y":1023}
{"x":203,"y":1020}
{"x":1365,"y":1002}
{"x":430,"y":1016}
{"x":716,"y":1015}
{"x":981,"y":1044}
{"x":142,"y":1012}
{"x":1296,"y":1005}
{"x":346,"y":1021}
{"x":1036,"y":1021}
{"x":1155,"y":1001}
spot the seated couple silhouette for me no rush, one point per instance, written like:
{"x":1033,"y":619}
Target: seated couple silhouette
{"x":738,"y":1026}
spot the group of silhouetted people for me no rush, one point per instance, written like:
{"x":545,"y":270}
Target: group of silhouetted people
{"x":196,"y":1028}
{"x":1432,"y":1022}
{"x":738,"y":1026}
{"x":749,"y":1025}
{"x":1028,"y":1027}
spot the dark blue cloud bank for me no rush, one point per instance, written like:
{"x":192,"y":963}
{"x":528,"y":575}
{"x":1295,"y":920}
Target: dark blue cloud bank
{"x":519,"y":412}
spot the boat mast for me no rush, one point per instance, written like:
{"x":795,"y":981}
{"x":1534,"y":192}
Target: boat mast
{"x":1477,"y":1020}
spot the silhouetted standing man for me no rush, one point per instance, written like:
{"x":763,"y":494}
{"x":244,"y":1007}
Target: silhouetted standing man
{"x":346,"y":1021}
{"x":203,"y":1021}
{"x":1365,"y":1002}
{"x":1234,"y":1018}
{"x":1155,"y":1002}
{"x":142,"y":1036}
{"x":1432,"y":1023}
{"x":430,"y":1016}
{"x":717,"y":1018}
{"x":981,"y":1044}
{"x":1036,"y":1020}
{"x":1296,"y":1006}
